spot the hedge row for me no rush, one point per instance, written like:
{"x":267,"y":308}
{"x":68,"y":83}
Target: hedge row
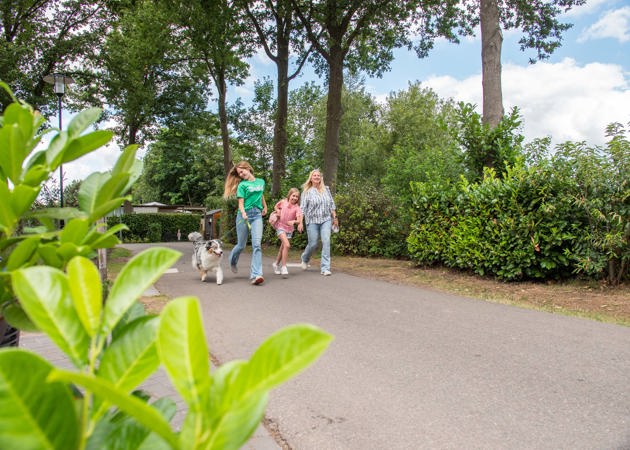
{"x":156,"y":227}
{"x":553,"y":220}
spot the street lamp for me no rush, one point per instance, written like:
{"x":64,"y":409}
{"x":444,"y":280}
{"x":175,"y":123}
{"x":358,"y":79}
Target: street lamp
{"x":59,"y":82}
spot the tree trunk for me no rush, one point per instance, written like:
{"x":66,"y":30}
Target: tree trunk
{"x":280,"y":130}
{"x":333,"y":117}
{"x":491,"y":41}
{"x":223,"y":120}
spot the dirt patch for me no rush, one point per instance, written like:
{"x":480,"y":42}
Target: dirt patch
{"x":588,"y":299}
{"x":154,"y":304}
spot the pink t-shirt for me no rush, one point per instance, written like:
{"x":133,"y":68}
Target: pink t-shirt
{"x":288,"y":211}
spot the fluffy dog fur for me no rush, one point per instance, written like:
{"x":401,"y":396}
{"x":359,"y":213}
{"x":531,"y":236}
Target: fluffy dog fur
{"x":207,"y":256}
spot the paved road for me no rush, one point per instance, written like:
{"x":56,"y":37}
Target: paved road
{"x":417,"y":369}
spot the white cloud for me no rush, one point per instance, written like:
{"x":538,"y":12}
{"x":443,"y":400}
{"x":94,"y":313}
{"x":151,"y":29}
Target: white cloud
{"x":588,"y":8}
{"x":100,"y":160}
{"x":613,"y":24}
{"x":561,"y":100}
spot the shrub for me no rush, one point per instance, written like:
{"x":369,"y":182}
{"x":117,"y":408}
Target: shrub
{"x":371,"y":224}
{"x":156,"y":227}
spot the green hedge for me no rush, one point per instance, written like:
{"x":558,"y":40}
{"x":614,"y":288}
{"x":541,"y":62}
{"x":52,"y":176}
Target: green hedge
{"x":552,"y":220}
{"x":156,"y":227}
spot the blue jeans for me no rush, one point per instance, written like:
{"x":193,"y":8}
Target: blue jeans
{"x":315,"y":231}
{"x":254,"y":217}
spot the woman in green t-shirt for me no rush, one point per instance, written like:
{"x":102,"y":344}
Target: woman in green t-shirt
{"x":252,"y":207}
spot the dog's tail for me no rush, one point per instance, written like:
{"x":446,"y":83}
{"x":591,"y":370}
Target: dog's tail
{"x":195,"y":236}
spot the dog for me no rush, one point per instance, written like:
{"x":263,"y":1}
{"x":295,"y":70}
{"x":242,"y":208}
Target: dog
{"x":207,"y":256}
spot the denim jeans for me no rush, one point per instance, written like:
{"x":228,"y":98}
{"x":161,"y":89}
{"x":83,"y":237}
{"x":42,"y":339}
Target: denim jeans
{"x":254,"y":217}
{"x":315,"y":231}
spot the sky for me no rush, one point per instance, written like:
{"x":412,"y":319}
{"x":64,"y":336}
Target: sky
{"x":572,"y":96}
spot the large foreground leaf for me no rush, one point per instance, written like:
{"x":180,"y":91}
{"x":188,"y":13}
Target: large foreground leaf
{"x":183,"y":351}
{"x":134,"y":278}
{"x":138,"y":409}
{"x":45,"y":295}
{"x":34,"y":414}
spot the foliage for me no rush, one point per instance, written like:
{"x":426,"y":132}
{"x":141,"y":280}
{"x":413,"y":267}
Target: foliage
{"x":185,"y":163}
{"x":23,"y":170}
{"x":558,"y":216}
{"x":421,"y":140}
{"x":155,"y":227}
{"x":371,"y":223}
{"x":485,"y":146}
{"x":142,"y":76}
{"x":537,"y":19}
{"x":600,"y":191}
{"x":114,"y":347}
{"x":361,"y":151}
{"x":45,"y":36}
{"x":362,"y":36}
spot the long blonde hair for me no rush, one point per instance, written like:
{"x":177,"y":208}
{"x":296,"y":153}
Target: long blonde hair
{"x":309,"y":184}
{"x":233,"y":179}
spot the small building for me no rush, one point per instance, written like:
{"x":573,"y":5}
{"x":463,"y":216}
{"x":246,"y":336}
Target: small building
{"x":208,"y":226}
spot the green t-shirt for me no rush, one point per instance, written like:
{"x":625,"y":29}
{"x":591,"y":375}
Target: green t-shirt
{"x":251,"y":192}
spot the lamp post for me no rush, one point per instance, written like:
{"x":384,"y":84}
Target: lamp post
{"x":59,"y":82}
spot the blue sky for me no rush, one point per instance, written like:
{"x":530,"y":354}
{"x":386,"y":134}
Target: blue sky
{"x":572,"y":96}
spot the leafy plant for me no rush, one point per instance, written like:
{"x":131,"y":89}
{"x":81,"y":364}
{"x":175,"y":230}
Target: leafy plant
{"x":114,"y":348}
{"x":31,"y":236}
{"x":48,"y":281}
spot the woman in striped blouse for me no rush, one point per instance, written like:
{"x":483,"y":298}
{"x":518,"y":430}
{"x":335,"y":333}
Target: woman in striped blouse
{"x":318,"y":207}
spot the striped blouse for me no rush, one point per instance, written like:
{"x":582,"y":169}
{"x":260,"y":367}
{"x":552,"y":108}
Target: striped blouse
{"x":317,"y":207}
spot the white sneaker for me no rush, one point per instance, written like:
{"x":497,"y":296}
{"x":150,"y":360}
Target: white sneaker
{"x":276,"y":269}
{"x":234,"y":269}
{"x":303,"y":265}
{"x":327,"y":273}
{"x":284,"y":272}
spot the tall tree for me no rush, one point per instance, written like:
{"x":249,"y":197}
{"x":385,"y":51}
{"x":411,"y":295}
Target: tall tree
{"x":220,"y":42}
{"x":183,"y":164}
{"x":361,"y":35}
{"x":278,"y":34}
{"x":39,"y":37}
{"x":141,"y":71}
{"x":538,"y":19}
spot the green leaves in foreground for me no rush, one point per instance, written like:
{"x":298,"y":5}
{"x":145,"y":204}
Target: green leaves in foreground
{"x":115,"y":351}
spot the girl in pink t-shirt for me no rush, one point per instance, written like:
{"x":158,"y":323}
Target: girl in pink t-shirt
{"x":289,"y":214}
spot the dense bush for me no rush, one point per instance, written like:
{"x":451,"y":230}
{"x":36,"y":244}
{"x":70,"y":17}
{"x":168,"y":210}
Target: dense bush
{"x":370,"y":223}
{"x":561,"y":215}
{"x":156,"y":227}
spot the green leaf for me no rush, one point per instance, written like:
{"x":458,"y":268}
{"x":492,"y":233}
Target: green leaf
{"x":82,"y":121}
{"x":239,"y":423}
{"x":87,"y":292}
{"x":89,"y":190}
{"x":118,"y":431}
{"x":142,"y":412}
{"x":232,"y":417}
{"x":134,"y":278}
{"x":283,"y":355}
{"x":132,"y":356}
{"x":8,"y":219}
{"x":22,"y":198}
{"x":34,"y":414}
{"x":126,"y":160}
{"x":183,"y":351}
{"x":86,"y":144}
{"x":22,"y":254}
{"x":74,"y":231}
{"x":13,"y":142}
{"x":45,"y":296}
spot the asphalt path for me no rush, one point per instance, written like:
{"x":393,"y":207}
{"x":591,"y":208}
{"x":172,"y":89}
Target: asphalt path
{"x":414,"y":368}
